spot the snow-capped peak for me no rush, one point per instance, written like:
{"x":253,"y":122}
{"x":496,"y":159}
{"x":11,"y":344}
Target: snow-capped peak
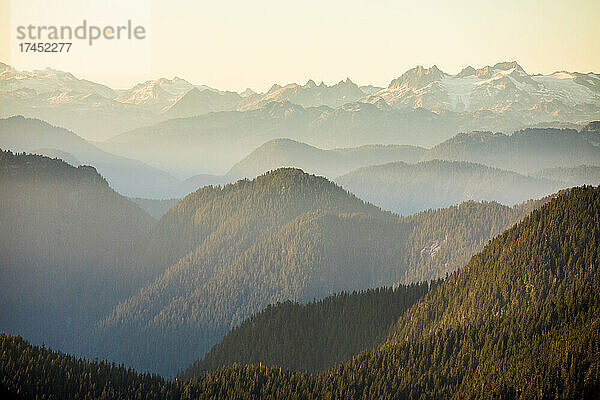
{"x":503,"y":86}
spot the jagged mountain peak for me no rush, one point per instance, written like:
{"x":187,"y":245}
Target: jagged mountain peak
{"x":274,"y":88}
{"x":310,"y":84}
{"x":502,"y":68}
{"x":467,"y":71}
{"x":181,"y":83}
{"x":508,"y":65}
{"x":484,"y":72}
{"x":417,"y":77}
{"x":248,"y":92}
{"x":307,"y":95}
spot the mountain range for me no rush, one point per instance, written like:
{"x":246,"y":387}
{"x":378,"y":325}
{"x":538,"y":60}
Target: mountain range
{"x":128,"y":176}
{"x":502,"y":97}
{"x":212,"y":143}
{"x":519,"y":320}
{"x":525,"y":151}
{"x":434,"y":238}
{"x":308,"y":95}
{"x":503,"y":88}
{"x":224,"y":253}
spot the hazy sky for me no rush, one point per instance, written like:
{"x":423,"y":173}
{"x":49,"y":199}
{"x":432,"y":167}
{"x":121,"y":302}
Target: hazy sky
{"x":238,"y":44}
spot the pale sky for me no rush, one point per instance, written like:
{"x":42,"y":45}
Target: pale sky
{"x":237,"y":44}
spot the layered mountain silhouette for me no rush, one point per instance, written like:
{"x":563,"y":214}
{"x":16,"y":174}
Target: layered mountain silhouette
{"x":308,"y":95}
{"x":502,"y":97}
{"x":409,"y":188}
{"x":63,"y":233}
{"x":224,"y":253}
{"x":212,"y":143}
{"x":279,"y":153}
{"x":525,"y":151}
{"x":572,"y":176}
{"x":520,"y":319}
{"x":127,"y":176}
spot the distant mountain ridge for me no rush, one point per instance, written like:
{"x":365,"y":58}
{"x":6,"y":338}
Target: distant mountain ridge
{"x":573,"y":176}
{"x":212,"y":143}
{"x":503,"y":88}
{"x":499,"y":97}
{"x":409,"y":188}
{"x":127,"y":176}
{"x":308,"y":95}
{"x":525,"y":151}
{"x":519,"y":320}
{"x":223,"y":253}
{"x":196,"y":102}
{"x":279,"y":153}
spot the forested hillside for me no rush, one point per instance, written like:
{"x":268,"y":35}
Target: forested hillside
{"x":223,"y":254}
{"x":314,"y":336}
{"x":409,"y":188}
{"x":520,"y":320}
{"x":63,"y":233}
{"x":228,"y":252}
{"x":32,"y":372}
{"x":524,"y":151}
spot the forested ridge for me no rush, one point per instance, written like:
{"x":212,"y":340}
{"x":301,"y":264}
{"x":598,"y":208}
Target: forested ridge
{"x":525,"y":151}
{"x":64,"y":233}
{"x":520,"y":320}
{"x":34,"y":372}
{"x":84,"y":271}
{"x":314,"y":336}
{"x":225,"y":253}
{"x":409,"y":188}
